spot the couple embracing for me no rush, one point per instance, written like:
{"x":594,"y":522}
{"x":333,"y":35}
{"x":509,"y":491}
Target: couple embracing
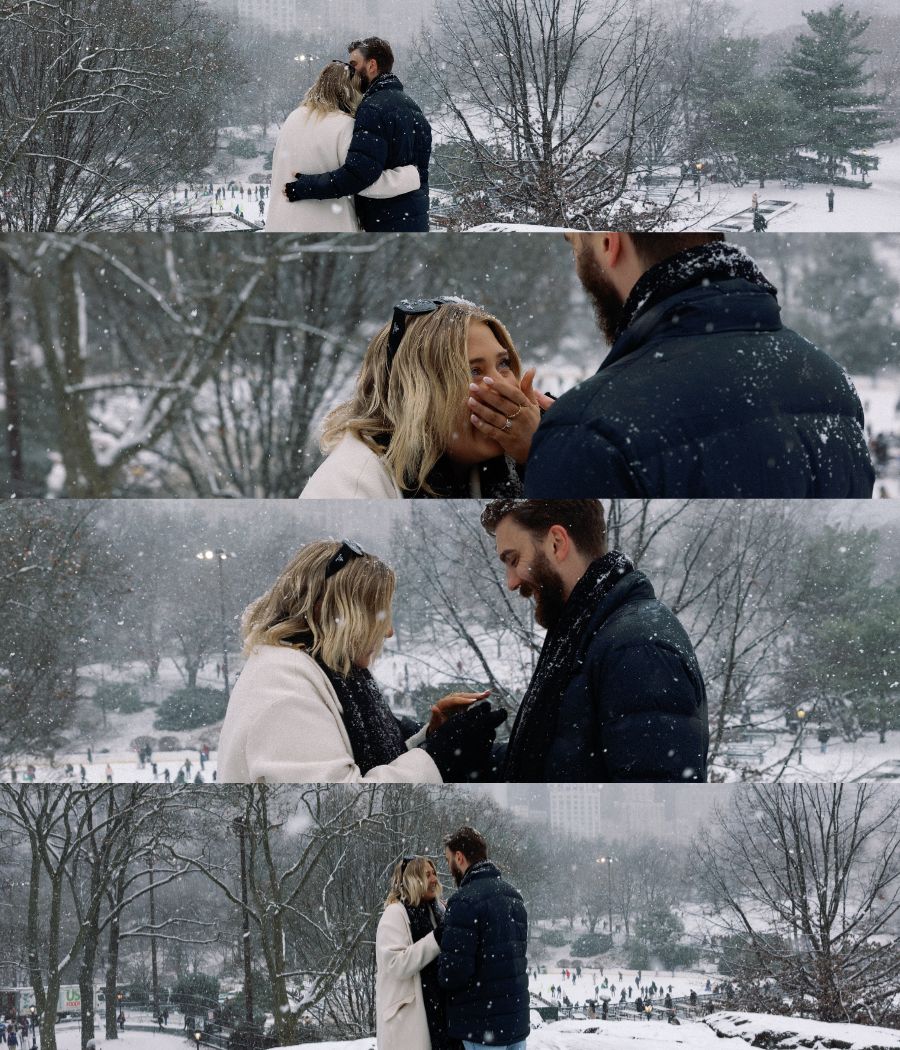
{"x":354,"y":155}
{"x":452,"y":976}
{"x":616,"y":695}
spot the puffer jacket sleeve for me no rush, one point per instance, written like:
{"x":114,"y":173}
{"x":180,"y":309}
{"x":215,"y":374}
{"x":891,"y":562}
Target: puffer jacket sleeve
{"x":365,"y":162}
{"x":395,"y":954}
{"x":457,"y":962}
{"x":573,"y":461}
{"x":652,"y":722}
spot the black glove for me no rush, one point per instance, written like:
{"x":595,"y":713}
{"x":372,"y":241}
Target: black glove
{"x":294,"y":190}
{"x":461,"y":748}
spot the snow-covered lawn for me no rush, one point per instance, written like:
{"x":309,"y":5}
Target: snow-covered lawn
{"x":721,"y":1031}
{"x":875,"y":210}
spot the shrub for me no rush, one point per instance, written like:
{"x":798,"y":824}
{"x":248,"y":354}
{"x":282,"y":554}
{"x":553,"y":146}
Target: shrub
{"x":123,"y":697}
{"x":591,"y":944}
{"x":196,"y":992}
{"x":191,"y":708}
{"x":554,"y":938}
{"x":242,"y":148}
{"x":167,"y":743}
{"x":638,"y":956}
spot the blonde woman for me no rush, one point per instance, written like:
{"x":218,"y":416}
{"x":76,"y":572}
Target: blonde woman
{"x":305,"y":707}
{"x":409,"y":1004}
{"x":410,"y":430}
{"x":315,"y":138}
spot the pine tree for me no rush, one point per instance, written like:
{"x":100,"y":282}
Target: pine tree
{"x":825,"y":73}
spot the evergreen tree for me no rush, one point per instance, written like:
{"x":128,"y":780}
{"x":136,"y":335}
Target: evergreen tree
{"x":825,"y":73}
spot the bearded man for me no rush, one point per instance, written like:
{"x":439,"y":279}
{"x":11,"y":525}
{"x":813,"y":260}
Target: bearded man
{"x":705,"y":393}
{"x":617,"y":694}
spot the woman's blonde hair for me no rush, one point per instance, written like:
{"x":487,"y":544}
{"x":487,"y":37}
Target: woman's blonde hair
{"x":334,"y":91}
{"x":347,"y":615}
{"x":419,"y":400}
{"x":409,"y":881}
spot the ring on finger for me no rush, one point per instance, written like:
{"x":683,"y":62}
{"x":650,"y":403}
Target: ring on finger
{"x":517,"y":411}
{"x":509,"y":424}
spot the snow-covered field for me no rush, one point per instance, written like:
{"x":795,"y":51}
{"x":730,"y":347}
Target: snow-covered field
{"x":723,"y":1031}
{"x":876,"y":209}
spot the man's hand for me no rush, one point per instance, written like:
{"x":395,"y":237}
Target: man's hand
{"x":295,"y":191}
{"x":508,"y":412}
{"x":450,"y":705}
{"x":461,"y":748}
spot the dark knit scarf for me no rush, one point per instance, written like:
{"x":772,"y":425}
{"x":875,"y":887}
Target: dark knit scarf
{"x":423,"y":919}
{"x":375,"y":734}
{"x":716,"y":261}
{"x":498,"y":477}
{"x":561,"y":656}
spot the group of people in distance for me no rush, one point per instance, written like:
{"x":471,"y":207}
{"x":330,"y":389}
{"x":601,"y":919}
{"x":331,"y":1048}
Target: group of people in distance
{"x":616,"y":695}
{"x":704,"y":393}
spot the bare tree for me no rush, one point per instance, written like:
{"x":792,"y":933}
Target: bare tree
{"x":809,"y":880}
{"x":546,"y":106}
{"x":103,"y":107}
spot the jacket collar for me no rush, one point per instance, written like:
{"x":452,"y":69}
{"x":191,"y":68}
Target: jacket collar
{"x":384,"y":82}
{"x":484,"y":869}
{"x":684,"y":285}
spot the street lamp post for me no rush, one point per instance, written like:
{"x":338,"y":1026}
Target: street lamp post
{"x":154,"y":970}
{"x":608,"y":861}
{"x":221,"y":556}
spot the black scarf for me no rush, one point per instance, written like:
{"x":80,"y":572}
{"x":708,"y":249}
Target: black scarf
{"x":375,"y":734}
{"x":716,"y":261}
{"x":423,"y":919}
{"x":561,"y":655}
{"x":498,"y":477}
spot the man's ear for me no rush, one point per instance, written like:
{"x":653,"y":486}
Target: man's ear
{"x":560,"y":542}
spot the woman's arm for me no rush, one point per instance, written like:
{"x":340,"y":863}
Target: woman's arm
{"x":394,"y":952}
{"x":394,"y":182}
{"x":295,"y":733}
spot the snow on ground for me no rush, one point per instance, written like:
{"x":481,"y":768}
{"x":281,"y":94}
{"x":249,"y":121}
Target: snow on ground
{"x":798,"y":1031}
{"x":581,"y":988}
{"x":874,"y":210}
{"x":721,"y":1031}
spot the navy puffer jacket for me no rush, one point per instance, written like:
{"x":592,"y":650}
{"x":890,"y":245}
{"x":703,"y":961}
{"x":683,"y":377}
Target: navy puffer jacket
{"x":635,"y":707}
{"x":390,"y":131}
{"x":705,"y":394}
{"x":483,"y":966}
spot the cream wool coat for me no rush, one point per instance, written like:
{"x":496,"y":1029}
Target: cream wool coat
{"x":400,"y":1018}
{"x":314,"y":144}
{"x":284,"y":724}
{"x":353,"y":471}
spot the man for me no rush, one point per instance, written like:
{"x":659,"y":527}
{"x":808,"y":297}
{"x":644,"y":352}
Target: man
{"x":390,"y":131}
{"x":704,"y":394}
{"x":482,"y":965}
{"x":617,"y":694}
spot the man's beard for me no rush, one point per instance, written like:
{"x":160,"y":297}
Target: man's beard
{"x":608,"y":306}
{"x":362,"y":81}
{"x":456,"y":873}
{"x":546,"y":587}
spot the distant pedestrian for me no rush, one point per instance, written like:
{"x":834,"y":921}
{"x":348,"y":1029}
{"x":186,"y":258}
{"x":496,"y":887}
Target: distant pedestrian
{"x":121,"y":1020}
{"x":109,"y":773}
{"x":830,"y":196}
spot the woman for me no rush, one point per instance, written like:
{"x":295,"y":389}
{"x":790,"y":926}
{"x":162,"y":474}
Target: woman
{"x":315,"y":138}
{"x":409,"y":1004}
{"x":305,"y":707}
{"x":409,"y":429}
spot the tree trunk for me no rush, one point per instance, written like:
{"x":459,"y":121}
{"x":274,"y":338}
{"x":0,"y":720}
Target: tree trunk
{"x":11,"y":384}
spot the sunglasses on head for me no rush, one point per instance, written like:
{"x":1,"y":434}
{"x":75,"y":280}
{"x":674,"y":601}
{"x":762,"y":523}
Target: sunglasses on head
{"x":347,"y":551}
{"x":413,"y":308}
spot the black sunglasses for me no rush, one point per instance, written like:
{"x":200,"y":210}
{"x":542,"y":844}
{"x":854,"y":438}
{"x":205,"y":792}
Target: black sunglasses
{"x":346,"y":553}
{"x":414,"y":308}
